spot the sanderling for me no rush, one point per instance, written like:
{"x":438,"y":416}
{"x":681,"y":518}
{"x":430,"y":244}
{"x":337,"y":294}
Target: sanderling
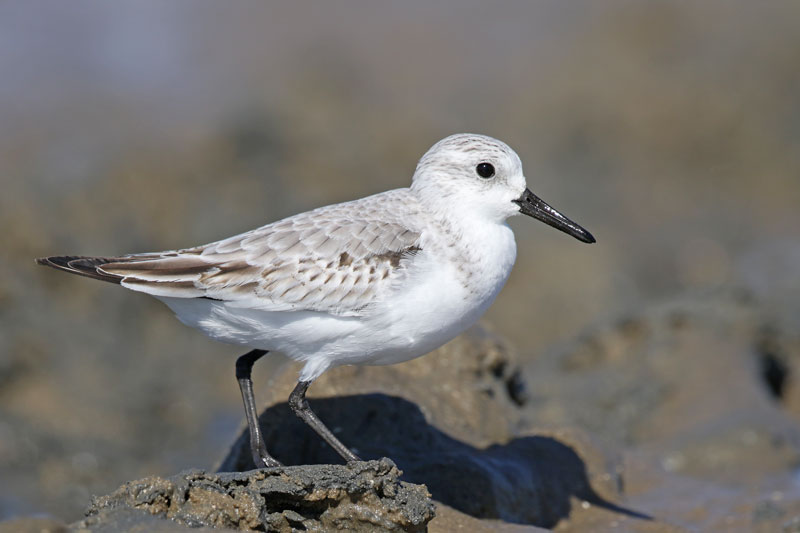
{"x":376,"y":281}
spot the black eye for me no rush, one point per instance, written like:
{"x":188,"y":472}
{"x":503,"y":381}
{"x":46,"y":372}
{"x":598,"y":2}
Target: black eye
{"x":485,"y":170}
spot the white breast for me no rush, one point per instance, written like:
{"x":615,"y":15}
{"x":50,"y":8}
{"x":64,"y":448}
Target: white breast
{"x":450,"y":287}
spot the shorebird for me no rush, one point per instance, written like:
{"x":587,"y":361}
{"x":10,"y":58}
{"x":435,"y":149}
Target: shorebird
{"x":374,"y":281}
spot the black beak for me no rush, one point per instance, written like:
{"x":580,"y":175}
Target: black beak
{"x":533,"y":206}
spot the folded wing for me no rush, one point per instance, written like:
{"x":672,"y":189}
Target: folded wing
{"x":338,"y":259}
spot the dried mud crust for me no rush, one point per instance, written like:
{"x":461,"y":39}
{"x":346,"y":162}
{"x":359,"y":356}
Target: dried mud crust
{"x":364,"y":496}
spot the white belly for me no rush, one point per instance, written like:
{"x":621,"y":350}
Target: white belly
{"x":427,"y":312}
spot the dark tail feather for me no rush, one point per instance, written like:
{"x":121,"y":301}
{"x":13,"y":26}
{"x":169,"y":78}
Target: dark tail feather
{"x":83,"y":266}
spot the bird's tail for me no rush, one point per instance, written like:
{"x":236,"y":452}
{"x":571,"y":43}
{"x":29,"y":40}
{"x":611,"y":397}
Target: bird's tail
{"x":82,"y":266}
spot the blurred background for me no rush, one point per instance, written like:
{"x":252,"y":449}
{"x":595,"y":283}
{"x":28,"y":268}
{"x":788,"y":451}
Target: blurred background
{"x":670,"y":130}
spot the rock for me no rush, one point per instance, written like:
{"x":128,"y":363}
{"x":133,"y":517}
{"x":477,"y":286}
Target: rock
{"x":529,"y":480}
{"x":129,"y":520}
{"x":468,"y":458}
{"x":365,"y":496}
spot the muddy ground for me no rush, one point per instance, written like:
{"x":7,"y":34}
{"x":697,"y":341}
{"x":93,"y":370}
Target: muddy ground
{"x":682,"y":416}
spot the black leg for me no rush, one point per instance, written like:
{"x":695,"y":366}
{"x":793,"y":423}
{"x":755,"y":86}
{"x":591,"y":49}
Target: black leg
{"x":244,"y":365}
{"x":298,"y":403}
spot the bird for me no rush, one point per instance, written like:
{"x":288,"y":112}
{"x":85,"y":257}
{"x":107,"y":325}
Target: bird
{"x":374,"y":281}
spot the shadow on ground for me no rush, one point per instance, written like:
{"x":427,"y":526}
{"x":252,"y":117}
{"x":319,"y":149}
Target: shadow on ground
{"x":530,"y":480}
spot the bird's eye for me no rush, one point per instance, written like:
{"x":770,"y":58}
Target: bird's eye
{"x":485,"y":170}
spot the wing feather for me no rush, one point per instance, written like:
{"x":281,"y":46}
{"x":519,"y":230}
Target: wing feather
{"x":338,"y":259}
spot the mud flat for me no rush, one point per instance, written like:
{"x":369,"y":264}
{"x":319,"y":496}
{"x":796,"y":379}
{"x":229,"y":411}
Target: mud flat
{"x":682,"y":416}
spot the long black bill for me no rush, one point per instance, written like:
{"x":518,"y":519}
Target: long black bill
{"x":533,"y":206}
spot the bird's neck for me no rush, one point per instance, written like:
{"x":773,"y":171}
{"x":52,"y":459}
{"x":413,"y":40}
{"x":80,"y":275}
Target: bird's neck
{"x":486,"y":246}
